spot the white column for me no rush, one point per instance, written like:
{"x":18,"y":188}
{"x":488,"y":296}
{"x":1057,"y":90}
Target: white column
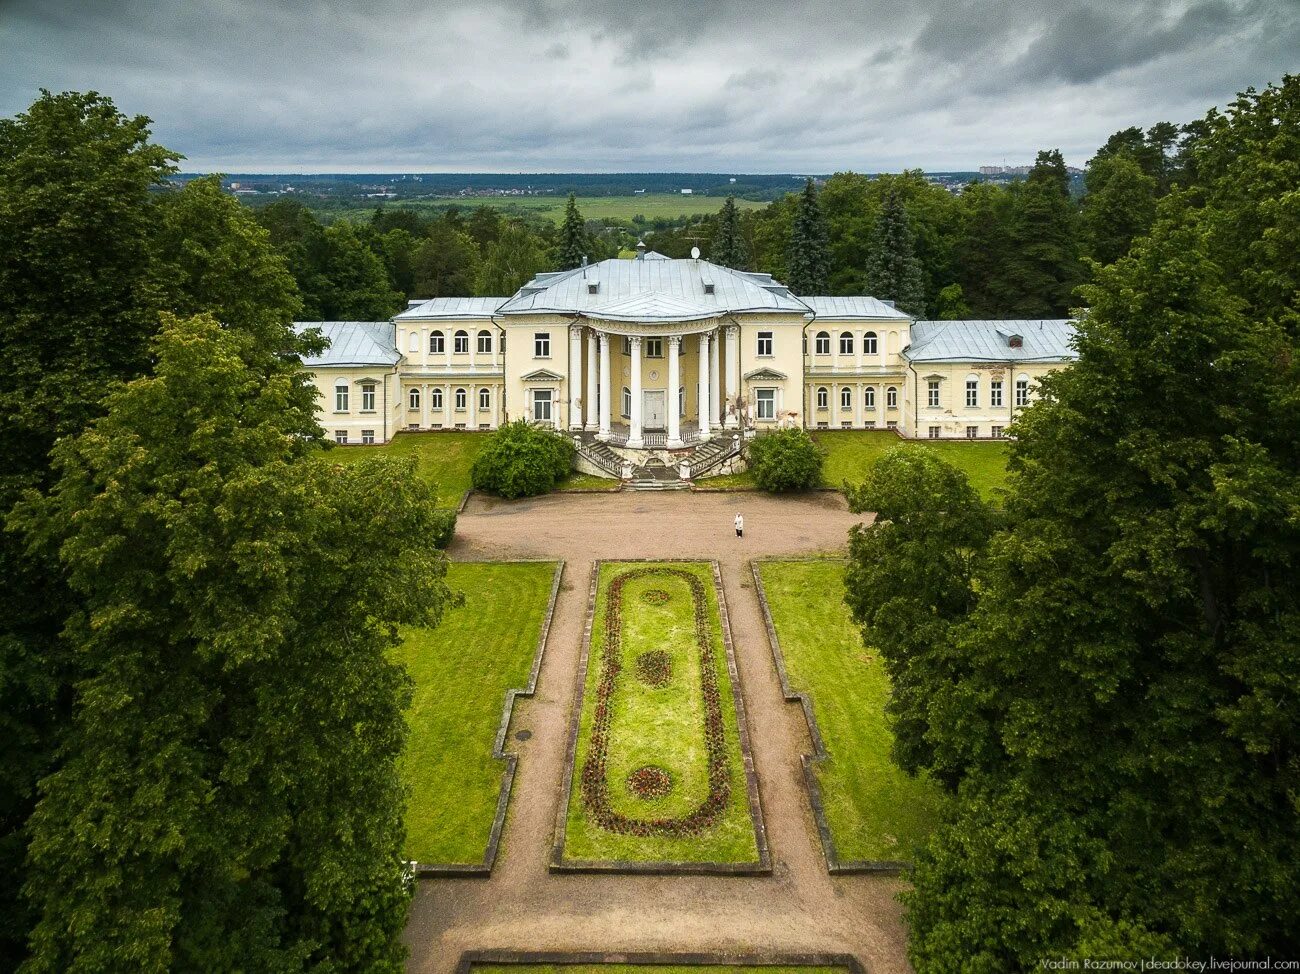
{"x":496,"y":405}
{"x":704,"y":388}
{"x":634,"y":440}
{"x":575,"y":377}
{"x":857,"y":407}
{"x":448,"y":343}
{"x":733,"y":373}
{"x":880,"y":406}
{"x":449,"y":421}
{"x":592,"y":376}
{"x":424,"y":406}
{"x":674,"y":383}
{"x":604,"y":387}
{"x":715,"y":382}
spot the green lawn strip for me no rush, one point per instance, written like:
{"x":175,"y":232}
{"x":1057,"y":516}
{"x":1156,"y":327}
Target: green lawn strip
{"x":661,"y":726}
{"x":584,"y":482}
{"x":462,"y":670}
{"x":850,"y":452}
{"x":651,"y":969}
{"x":443,"y":457}
{"x":652,"y":206}
{"x":875,"y":811}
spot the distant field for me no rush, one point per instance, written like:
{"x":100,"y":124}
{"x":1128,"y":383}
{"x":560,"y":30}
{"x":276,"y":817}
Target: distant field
{"x":662,"y":206}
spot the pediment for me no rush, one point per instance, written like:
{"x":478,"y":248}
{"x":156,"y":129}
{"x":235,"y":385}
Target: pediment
{"x":543,"y":375}
{"x":766,"y":375}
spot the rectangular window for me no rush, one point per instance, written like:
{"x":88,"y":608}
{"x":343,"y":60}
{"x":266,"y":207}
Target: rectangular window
{"x":627,"y":345}
{"x":766,"y":400}
{"x":891,"y":398}
{"x":932,"y":392}
{"x":340,"y":399}
{"x":870,"y":424}
{"x":972,"y":432}
{"x":934,"y":432}
{"x":764,"y":344}
{"x":995,"y":392}
{"x":368,"y":437}
{"x":367,"y":398}
{"x":891,"y":424}
{"x":542,"y":344}
{"x":340,"y":436}
{"x":413,"y":343}
{"x":654,"y":348}
{"x":542,"y":405}
{"x":1022,"y":392}
{"x":997,"y":432}
{"x":972,"y":392}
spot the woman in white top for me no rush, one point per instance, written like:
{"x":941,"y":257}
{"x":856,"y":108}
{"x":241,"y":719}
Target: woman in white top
{"x":740,"y":526}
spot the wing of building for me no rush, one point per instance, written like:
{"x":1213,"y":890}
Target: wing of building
{"x":658,"y":352}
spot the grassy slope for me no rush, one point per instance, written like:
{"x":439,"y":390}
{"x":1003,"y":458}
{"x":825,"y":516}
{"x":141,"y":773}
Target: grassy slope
{"x":461,"y":671}
{"x":874,"y":809}
{"x":443,"y":457}
{"x":850,"y":452}
{"x":663,"y":727}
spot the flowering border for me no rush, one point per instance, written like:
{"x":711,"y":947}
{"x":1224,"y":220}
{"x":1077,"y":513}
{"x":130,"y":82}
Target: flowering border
{"x":558,"y":862}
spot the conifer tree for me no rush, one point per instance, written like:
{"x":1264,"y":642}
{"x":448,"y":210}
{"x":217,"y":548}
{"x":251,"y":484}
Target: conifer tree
{"x":728,"y":244}
{"x":574,"y":244}
{"x":894,"y":272}
{"x":808,"y":256}
{"x":1044,"y":261}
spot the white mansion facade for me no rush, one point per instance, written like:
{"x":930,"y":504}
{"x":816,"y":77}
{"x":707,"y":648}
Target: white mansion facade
{"x":659,"y":353}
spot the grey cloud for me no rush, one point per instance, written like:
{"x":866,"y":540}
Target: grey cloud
{"x":654,"y":84}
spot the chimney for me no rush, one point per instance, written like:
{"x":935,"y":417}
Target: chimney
{"x":640,"y":250}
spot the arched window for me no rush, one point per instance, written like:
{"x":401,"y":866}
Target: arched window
{"x":891,"y":398}
{"x":627,"y":401}
{"x":413,"y":398}
{"x":341,"y":396}
{"x":1022,"y":390}
{"x":435,"y":398}
{"x":485,"y":342}
{"x":823,"y":346}
{"x":461,"y":399}
{"x":437,"y":343}
{"x":823,"y":397}
{"x":484,"y":399}
{"x":869,"y":397}
{"x":846,"y":343}
{"x":461,"y":346}
{"x":413,"y":344}
{"x":869,"y":343}
{"x":846,"y":398}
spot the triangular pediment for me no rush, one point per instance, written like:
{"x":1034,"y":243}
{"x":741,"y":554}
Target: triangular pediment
{"x":543,"y":375}
{"x":766,"y":374}
{"x":651,"y":306}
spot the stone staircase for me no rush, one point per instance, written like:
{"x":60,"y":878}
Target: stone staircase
{"x":708,"y":455}
{"x":603,"y":457}
{"x":655,"y":475}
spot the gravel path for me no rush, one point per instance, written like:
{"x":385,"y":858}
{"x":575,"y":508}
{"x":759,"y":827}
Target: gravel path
{"x":800,"y":907}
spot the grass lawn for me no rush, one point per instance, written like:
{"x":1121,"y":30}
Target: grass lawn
{"x":462,"y":671}
{"x":850,"y":452}
{"x":443,"y":457}
{"x":648,"y":969}
{"x":875,"y":811}
{"x":660,"y":724}
{"x":579,"y":482}
{"x":652,"y":206}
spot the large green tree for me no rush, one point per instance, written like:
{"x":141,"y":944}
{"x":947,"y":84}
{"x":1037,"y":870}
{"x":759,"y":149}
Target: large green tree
{"x":446,"y":263}
{"x":574,"y":244}
{"x":1044,"y":266}
{"x":1114,"y":691}
{"x":78,"y":300}
{"x":807,"y":256}
{"x":893,"y":271}
{"x":1120,"y":206}
{"x":511,"y":260}
{"x":230,"y":798}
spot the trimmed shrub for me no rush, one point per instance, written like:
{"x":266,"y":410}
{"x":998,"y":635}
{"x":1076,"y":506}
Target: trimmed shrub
{"x":444,"y":528}
{"x":522,"y":460}
{"x":785,"y":460}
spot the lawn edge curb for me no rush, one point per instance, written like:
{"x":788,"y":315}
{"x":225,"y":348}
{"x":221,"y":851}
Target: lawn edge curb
{"x":483,"y":869}
{"x":663,"y":957}
{"x":834,"y":864}
{"x":558,"y":862}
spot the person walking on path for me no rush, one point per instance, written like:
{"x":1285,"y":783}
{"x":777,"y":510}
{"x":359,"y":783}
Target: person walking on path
{"x":740,"y":525}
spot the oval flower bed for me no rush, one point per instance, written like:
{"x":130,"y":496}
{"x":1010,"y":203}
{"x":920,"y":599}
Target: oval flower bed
{"x":650,"y":782}
{"x":655,"y":668}
{"x":595,"y":786}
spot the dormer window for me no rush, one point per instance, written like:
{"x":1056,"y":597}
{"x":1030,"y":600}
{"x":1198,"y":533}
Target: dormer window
{"x":708,"y":287}
{"x":1015,"y":341}
{"x":593,"y":287}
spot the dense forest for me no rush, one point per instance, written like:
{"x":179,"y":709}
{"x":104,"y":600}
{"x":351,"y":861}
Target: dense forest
{"x":992,"y":251}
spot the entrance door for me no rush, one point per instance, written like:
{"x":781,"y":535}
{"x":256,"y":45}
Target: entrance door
{"x":654,"y":409}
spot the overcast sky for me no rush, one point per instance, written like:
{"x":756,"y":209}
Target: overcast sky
{"x":621,"y":85}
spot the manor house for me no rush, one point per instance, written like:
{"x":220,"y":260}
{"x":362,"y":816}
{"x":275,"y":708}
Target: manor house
{"x":659,"y":353}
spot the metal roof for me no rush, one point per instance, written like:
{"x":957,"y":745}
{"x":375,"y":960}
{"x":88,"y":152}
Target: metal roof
{"x":659,"y":284}
{"x":854,"y":307}
{"x":353,"y":343}
{"x":1046,"y":340}
{"x":435,"y":308}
